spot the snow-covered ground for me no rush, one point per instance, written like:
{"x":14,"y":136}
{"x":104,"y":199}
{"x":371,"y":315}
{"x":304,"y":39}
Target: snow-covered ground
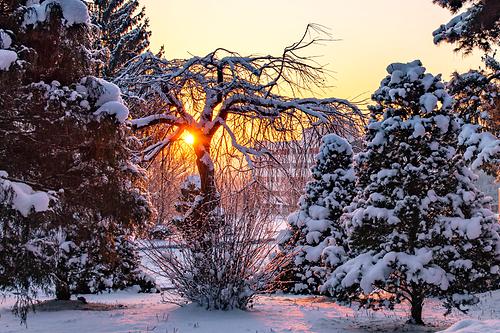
{"x":284,"y":313}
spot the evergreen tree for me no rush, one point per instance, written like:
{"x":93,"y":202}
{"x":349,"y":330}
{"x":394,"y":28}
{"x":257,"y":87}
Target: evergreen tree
{"x":314,"y":228}
{"x":124,"y":31}
{"x":66,"y":132}
{"x":477,"y":95}
{"x":478,"y":26}
{"x":418,"y":228}
{"x":477,"y":102}
{"x":187,"y":201}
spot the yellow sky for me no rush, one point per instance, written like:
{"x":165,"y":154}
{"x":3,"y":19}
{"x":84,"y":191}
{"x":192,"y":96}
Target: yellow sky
{"x":373,"y":34}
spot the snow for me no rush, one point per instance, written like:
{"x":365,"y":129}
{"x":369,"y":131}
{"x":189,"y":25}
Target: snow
{"x":413,"y":69}
{"x":337,"y":143}
{"x":474,"y":326}
{"x":73,"y":11}
{"x":442,"y":122}
{"x":418,"y":128}
{"x":428,"y":102}
{"x":470,"y":227}
{"x":482,"y":147}
{"x":114,"y":108}
{"x":7,"y":58}
{"x":5,"y":40}
{"x":456,"y":26}
{"x":139,"y":312}
{"x":318,"y":212}
{"x":279,"y":313}
{"x":22,"y":197}
{"x":107,"y":97}
{"x":100,"y":90}
{"x":372,"y":268}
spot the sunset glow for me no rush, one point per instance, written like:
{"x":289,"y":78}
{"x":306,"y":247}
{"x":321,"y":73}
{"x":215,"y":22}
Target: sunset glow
{"x":370,"y":35}
{"x":188,"y":138}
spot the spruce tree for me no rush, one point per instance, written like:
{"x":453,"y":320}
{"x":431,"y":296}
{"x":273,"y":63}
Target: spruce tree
{"x":314,"y":229}
{"x":124,"y":31}
{"x":477,"y":102}
{"x":477,"y":95}
{"x":477,"y":27}
{"x":418,"y":227}
{"x":187,"y":201}
{"x":66,"y":133}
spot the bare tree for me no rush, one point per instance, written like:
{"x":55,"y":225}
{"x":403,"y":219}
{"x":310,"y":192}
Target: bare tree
{"x":227,"y":99}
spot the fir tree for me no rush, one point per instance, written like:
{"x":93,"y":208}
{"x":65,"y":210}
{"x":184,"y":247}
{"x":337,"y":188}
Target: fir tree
{"x":477,"y":102}
{"x":418,"y":228}
{"x":124,"y":31}
{"x":478,"y":26}
{"x":66,"y":133}
{"x":187,"y":201}
{"x":477,"y":95}
{"x":314,"y":228}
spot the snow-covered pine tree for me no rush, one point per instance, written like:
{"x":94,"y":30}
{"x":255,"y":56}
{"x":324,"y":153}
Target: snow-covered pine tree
{"x":477,"y":95}
{"x":66,"y":131}
{"x":478,"y":26}
{"x":187,"y":201}
{"x":477,"y":102}
{"x":26,"y":248}
{"x":476,"y":92}
{"x":315,"y":228}
{"x":124,"y":31}
{"x":418,"y":227}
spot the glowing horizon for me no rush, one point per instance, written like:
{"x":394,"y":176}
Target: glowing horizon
{"x":372,"y":35}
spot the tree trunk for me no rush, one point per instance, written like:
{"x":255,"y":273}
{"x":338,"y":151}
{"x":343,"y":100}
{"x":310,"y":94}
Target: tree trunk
{"x":62,"y":291}
{"x":416,"y":311}
{"x":206,"y":171}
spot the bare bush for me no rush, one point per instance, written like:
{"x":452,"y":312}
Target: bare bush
{"x":227,"y":267}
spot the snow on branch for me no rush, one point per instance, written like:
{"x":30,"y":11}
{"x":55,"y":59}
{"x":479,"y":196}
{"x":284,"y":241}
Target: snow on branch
{"x":151,"y":151}
{"x":481,"y":147}
{"x":155,"y":119}
{"x":478,"y":26}
{"x":457,"y":27}
{"x":206,"y":93}
{"x":22,"y":197}
{"x":73,"y":12}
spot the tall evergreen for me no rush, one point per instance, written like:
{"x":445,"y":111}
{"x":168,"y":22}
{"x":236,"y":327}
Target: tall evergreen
{"x":418,"y":228}
{"x":65,"y":132}
{"x":124,"y":31}
{"x":315,"y":228}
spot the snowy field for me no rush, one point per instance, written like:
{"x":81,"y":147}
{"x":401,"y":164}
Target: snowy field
{"x":136,"y":313}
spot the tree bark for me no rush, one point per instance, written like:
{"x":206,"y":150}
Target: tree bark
{"x":416,"y":311}
{"x":62,"y":291}
{"x":211,"y":199}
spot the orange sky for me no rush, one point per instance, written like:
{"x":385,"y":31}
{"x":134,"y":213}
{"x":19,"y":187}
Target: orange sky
{"x":373,"y":34}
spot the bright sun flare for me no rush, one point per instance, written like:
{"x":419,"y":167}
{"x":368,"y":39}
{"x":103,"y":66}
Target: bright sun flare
{"x":188,"y":138}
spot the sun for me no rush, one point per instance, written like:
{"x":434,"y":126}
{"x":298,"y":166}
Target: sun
{"x":188,"y":138}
